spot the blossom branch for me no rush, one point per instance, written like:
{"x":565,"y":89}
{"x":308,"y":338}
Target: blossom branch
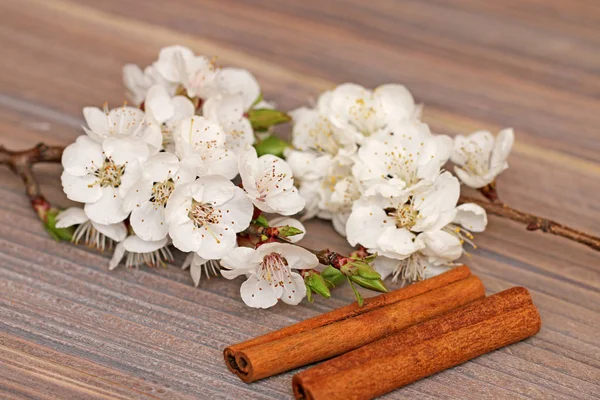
{"x":22,"y":162}
{"x":534,"y":222}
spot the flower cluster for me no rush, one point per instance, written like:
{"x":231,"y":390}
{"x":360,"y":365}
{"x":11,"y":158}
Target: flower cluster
{"x":162,"y":172}
{"x":193,"y":165}
{"x":365,"y":160}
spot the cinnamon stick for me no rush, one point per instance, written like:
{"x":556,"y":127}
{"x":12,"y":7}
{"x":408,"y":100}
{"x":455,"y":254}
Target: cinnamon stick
{"x":328,"y":335}
{"x":423,"y":349}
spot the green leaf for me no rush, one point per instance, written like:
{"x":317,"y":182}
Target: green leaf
{"x":287,"y":231}
{"x":317,"y":284}
{"x":262,"y":119}
{"x":359,"y":298}
{"x":309,"y":295}
{"x":371,"y":284}
{"x":261,"y":221}
{"x":271,"y":145}
{"x":258,"y":100}
{"x":332,"y":275}
{"x":57,"y":234}
{"x":366,"y":271}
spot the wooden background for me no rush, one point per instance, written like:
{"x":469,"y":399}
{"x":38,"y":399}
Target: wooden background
{"x":69,"y":328}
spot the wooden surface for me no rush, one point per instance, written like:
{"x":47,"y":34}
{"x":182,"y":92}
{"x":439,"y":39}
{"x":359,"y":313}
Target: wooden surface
{"x":69,"y":328}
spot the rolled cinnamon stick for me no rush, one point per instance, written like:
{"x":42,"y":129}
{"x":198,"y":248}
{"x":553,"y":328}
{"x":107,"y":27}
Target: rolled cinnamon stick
{"x":328,"y":336}
{"x":423,"y":349}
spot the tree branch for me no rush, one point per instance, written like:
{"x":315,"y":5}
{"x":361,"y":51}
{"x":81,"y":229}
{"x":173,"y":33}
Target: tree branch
{"x":533,"y":222}
{"x":22,"y":162}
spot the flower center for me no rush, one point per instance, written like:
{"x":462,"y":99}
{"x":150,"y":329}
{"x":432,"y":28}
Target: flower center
{"x":203,"y":214}
{"x":476,"y":162}
{"x":161,"y":191}
{"x":109,"y":174}
{"x":274,"y":269}
{"x":402,"y":165}
{"x":406,"y":216}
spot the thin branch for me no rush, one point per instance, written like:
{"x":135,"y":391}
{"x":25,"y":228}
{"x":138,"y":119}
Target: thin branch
{"x":534,"y":223}
{"x":22,"y":162}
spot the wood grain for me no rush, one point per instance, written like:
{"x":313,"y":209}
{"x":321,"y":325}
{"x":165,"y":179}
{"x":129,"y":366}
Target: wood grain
{"x":69,"y":328}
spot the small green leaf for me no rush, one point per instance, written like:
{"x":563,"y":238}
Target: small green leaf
{"x":317,"y":284}
{"x":261,"y":221}
{"x":262,"y":119}
{"x":332,"y":276}
{"x":271,"y":145}
{"x":287,"y":231}
{"x":57,"y":234}
{"x":359,"y":298}
{"x":309,"y":295}
{"x":258,"y":100}
{"x":366,"y":271}
{"x":371,"y":284}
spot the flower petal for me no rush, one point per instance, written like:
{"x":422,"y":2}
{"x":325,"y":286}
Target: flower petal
{"x":148,"y":221}
{"x":82,"y":157}
{"x":82,"y":189}
{"x":239,"y":81}
{"x":186,"y":237}
{"x":398,"y":243}
{"x":97,"y":121}
{"x":117,"y":256}
{"x":238,"y":262}
{"x":71,"y":216}
{"x":216,"y":241}
{"x":237,"y":212}
{"x":294,"y":292}
{"x":366,"y":224}
{"x":472,"y":217}
{"x":137,"y":195}
{"x":108,"y":209}
{"x":135,"y":244}
{"x":502,"y":147}
{"x":161,"y":167}
{"x":158,"y":103}
{"x":116,"y":232}
{"x":258,"y":293}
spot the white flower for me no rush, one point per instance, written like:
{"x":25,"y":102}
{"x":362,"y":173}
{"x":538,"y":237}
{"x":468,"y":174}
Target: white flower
{"x":269,"y":183}
{"x":363,"y":112}
{"x":480,"y":158}
{"x":238,"y":82}
{"x":97,"y":236}
{"x":293,"y":222}
{"x":200,"y":143}
{"x":138,"y":82}
{"x":196,"y":264}
{"x":137,"y":251}
{"x":471,"y":217}
{"x":101,"y":175}
{"x":389,"y":228}
{"x":270,"y":269}
{"x":205,"y":215}
{"x":196,"y":74}
{"x":167,"y":111}
{"x":230,"y":112}
{"x":123,"y":122}
{"x":147,"y":198}
{"x":437,"y":251}
{"x":404,"y":157}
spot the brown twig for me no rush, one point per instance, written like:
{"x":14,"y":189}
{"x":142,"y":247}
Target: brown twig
{"x":533,"y":222}
{"x":22,"y":162}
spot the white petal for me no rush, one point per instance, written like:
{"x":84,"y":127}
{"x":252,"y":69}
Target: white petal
{"x":179,"y":205}
{"x":96,"y":120}
{"x":285,"y":203}
{"x":136,"y":244}
{"x":81,"y":188}
{"x":385,"y":266}
{"x":71,"y":216}
{"x":258,"y":293}
{"x":217,"y":241}
{"x":117,"y":256}
{"x":124,"y":120}
{"x":125,"y":151}
{"x":238,"y":262}
{"x":183,"y":108}
{"x":213,"y":189}
{"x":158,"y":103}
{"x":502,"y":147}
{"x":116,"y":232}
{"x":82,"y":157}
{"x":160,"y":167}
{"x":440,"y":246}
{"x":186,"y":237}
{"x":137,"y":195}
{"x":108,"y":209}
{"x":237,"y":212}
{"x":293,"y":222}
{"x":294,"y":293}
{"x":366,"y":224}
{"x":473,"y":181}
{"x":471,"y":216}
{"x":239,"y":81}
{"x":196,"y":273}
{"x":395,"y":100}
{"x":297,"y":257}
{"x":398,"y":243}
{"x":148,"y":221}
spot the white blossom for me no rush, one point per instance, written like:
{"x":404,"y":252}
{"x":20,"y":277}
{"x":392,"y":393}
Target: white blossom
{"x":167,"y":111}
{"x":148,"y":197}
{"x":137,"y":251}
{"x":122,"y":123}
{"x":270,"y":269}
{"x":138,"y":82}
{"x":480,"y":157}
{"x":205,"y":215}
{"x":93,"y":234}
{"x":100,"y":175}
{"x":200,"y":143}
{"x":229,"y":111}
{"x":269,"y":183}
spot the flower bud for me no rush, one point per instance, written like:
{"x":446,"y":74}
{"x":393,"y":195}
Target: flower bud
{"x":333,"y":276}
{"x":287,"y":231}
{"x":317,"y":284}
{"x":371,"y":284}
{"x":263,"y":118}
